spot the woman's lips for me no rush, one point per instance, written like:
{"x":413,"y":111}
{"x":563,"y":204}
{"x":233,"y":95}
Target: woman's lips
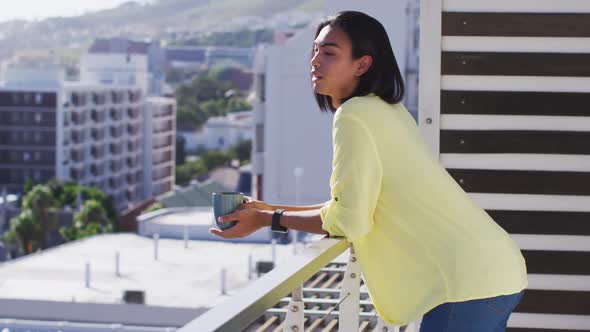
{"x":315,"y":76}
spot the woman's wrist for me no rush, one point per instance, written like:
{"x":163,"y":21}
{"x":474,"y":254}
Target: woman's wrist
{"x":266,"y":217}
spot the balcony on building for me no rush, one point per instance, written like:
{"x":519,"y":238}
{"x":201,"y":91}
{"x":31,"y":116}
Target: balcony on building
{"x":97,"y":115}
{"x":116,"y":114}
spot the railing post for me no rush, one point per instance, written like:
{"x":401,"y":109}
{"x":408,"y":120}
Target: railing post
{"x":294,"y":319}
{"x":383,"y":326}
{"x":348,"y":319}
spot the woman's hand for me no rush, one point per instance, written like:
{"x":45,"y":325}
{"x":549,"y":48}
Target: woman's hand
{"x":249,"y":220}
{"x":250,"y":202}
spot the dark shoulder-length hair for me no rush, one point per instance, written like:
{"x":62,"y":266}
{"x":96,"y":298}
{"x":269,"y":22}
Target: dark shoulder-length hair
{"x":368,"y":37}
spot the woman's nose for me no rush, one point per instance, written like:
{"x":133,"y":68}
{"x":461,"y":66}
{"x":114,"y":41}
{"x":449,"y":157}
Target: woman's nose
{"x":314,"y":61}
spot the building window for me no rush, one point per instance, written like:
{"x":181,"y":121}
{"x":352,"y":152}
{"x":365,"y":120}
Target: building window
{"x":38,"y":99}
{"x":37,"y":137}
{"x":27,"y":98}
{"x":262,"y":88}
{"x":26,"y":156}
{"x":38,"y":117}
{"x":259,"y":137}
{"x":15,"y":98}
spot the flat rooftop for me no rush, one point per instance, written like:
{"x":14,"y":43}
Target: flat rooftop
{"x":181,"y":277}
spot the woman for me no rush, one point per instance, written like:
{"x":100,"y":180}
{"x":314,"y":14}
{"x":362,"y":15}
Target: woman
{"x":424,"y":247}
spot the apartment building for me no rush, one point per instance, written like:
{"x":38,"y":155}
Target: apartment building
{"x":93,"y":133}
{"x":84,"y":132}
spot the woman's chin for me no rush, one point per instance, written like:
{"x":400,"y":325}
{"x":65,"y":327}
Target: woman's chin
{"x":318,"y":89}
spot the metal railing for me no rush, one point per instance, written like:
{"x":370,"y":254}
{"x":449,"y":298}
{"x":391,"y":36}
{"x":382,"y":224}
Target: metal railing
{"x":254,"y":301}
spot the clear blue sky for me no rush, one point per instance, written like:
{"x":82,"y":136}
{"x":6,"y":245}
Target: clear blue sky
{"x":39,"y":9}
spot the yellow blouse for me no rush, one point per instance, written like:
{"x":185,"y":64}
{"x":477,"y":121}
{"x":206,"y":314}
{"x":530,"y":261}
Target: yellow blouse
{"x":419,"y":238}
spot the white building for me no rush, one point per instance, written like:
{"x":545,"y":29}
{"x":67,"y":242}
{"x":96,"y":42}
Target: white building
{"x":220,"y":133}
{"x":290,"y":131}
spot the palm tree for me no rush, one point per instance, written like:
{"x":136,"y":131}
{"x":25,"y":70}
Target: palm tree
{"x":24,"y":230}
{"x":39,"y":200}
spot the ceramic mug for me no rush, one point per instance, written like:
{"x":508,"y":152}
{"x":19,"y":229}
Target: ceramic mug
{"x":225,"y":203}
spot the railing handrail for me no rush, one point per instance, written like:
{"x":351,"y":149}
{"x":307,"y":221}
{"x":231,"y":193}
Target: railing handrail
{"x":250,"y":303}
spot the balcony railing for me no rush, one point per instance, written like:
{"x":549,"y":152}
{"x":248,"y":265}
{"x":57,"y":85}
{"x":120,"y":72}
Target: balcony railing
{"x":254,"y":301}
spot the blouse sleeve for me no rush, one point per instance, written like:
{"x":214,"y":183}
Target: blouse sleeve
{"x":355,"y":182}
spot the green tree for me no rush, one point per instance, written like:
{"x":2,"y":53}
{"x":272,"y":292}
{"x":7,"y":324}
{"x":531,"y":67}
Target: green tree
{"x":180,"y":150}
{"x":214,"y":159}
{"x":174,"y":75}
{"x":243,"y":150}
{"x":25,"y":231}
{"x":237,"y":105}
{"x":29,"y":184}
{"x":39,"y":200}
{"x":190,"y":170}
{"x":203,"y":98}
{"x":91,"y":220}
{"x":67,"y":193}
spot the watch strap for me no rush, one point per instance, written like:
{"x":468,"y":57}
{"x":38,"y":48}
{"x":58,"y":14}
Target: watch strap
{"x":276,"y":222}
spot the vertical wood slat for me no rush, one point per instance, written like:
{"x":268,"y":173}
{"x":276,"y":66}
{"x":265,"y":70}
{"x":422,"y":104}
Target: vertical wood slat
{"x":430,"y":82}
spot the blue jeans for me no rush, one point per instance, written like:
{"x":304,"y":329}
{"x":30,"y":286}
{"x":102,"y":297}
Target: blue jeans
{"x":482,"y":315}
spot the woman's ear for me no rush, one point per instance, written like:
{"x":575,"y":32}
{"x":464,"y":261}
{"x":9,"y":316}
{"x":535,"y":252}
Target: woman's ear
{"x":363,"y":65}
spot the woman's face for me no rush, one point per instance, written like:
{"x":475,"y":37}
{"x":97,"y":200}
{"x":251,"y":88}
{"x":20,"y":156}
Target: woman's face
{"x":334,"y":72}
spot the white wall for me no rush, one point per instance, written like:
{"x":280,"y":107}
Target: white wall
{"x":391,"y":13}
{"x":296,"y":133}
{"x":118,"y":69}
{"x":33,"y":77}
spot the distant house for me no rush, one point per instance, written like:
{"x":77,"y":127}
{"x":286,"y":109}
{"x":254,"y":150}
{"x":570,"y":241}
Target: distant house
{"x":220,"y":133}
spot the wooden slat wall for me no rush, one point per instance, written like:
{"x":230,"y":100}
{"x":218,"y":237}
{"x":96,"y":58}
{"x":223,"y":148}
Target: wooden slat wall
{"x":529,"y":129}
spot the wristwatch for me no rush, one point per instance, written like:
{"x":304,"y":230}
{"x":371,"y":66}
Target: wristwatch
{"x":276,"y":222}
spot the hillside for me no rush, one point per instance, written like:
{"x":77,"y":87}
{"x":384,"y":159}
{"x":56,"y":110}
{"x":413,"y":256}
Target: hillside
{"x":168,"y":20}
